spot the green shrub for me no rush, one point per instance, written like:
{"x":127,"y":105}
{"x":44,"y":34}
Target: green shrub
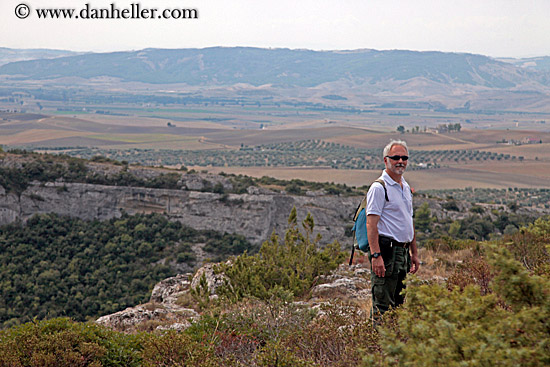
{"x":62,"y":342}
{"x":530,"y":246}
{"x":465,"y":328}
{"x":292,"y":265}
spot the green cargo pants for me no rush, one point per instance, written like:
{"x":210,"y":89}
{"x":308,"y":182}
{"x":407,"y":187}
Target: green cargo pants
{"x":386,"y":291}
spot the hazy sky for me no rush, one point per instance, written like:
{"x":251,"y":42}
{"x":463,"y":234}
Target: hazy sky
{"x":502,"y":28}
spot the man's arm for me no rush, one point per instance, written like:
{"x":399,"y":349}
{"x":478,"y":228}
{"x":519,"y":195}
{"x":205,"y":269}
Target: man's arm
{"x":414,"y":255}
{"x":372,"y":232}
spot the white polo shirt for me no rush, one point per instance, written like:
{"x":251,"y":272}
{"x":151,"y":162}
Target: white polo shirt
{"x":396,"y":215}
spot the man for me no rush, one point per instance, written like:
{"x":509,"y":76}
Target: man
{"x":390,"y":231}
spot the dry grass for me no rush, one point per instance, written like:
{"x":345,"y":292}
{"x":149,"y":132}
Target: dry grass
{"x":370,"y":139}
{"x":440,"y":264}
{"x":497,"y":176}
{"x":436,"y":265}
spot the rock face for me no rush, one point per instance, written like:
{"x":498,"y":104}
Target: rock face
{"x":254,"y":215}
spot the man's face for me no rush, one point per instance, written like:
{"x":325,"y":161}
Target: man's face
{"x":396,"y":166}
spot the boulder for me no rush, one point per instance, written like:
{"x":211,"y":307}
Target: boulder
{"x":346,"y":283}
{"x":146,"y":316}
{"x":168,"y":290}
{"x":213,"y":281}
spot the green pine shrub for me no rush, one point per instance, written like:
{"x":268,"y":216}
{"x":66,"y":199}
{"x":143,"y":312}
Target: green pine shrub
{"x":463,"y":327}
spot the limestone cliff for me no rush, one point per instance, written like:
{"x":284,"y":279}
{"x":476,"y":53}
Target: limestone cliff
{"x":254,"y":215}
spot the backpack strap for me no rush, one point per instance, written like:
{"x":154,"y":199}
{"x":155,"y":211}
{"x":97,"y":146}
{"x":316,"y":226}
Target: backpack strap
{"x":383,"y":183}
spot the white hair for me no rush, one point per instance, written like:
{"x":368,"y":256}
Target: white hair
{"x":388,"y":147}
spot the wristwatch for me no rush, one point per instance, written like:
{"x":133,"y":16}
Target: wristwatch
{"x":376,"y":254}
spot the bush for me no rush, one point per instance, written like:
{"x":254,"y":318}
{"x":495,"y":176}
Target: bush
{"x":473,"y":271}
{"x":176,"y":349}
{"x":340,"y":337}
{"x":62,"y":342}
{"x":463,"y":327}
{"x":530,"y":245}
{"x":292,"y":265}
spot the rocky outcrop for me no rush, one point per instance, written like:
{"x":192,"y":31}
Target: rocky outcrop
{"x":347,"y":283}
{"x":213,"y":281}
{"x":164,"y":311}
{"x":161,"y":312}
{"x":167,"y":291}
{"x":149,"y":316}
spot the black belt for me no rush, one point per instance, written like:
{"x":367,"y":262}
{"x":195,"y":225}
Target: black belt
{"x":393,"y":242}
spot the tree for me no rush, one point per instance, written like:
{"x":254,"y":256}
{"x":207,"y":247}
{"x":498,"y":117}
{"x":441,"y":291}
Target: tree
{"x":401,"y":129}
{"x":423,"y":218}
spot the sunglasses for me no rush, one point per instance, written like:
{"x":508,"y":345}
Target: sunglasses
{"x":398,"y":157}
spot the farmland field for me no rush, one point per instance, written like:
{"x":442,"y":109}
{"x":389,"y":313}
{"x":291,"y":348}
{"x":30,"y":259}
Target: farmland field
{"x":293,"y":140}
{"x":436,"y":179}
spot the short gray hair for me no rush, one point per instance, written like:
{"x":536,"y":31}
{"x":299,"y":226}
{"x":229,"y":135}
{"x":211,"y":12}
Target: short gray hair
{"x":388,"y":147}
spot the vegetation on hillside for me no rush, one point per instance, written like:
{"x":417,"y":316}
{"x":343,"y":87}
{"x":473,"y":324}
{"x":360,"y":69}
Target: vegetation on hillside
{"x":50,"y":168}
{"x":513,"y":197}
{"x":493,"y":310}
{"x":294,"y":187}
{"x":63,"y":168}
{"x":311,"y":153}
{"x":475,"y":223}
{"x":60,"y":266}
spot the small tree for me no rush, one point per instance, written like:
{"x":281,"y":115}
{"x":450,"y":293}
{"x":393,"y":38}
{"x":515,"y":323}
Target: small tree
{"x":291,"y":265}
{"x":423,"y":218}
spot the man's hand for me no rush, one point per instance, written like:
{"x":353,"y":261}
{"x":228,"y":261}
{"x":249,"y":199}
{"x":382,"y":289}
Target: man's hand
{"x":378,"y":266}
{"x":415,"y":264}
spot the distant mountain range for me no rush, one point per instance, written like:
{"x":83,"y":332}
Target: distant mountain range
{"x":8,"y":55}
{"x":541,"y":63}
{"x":281,"y":67}
{"x":345,"y":78}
